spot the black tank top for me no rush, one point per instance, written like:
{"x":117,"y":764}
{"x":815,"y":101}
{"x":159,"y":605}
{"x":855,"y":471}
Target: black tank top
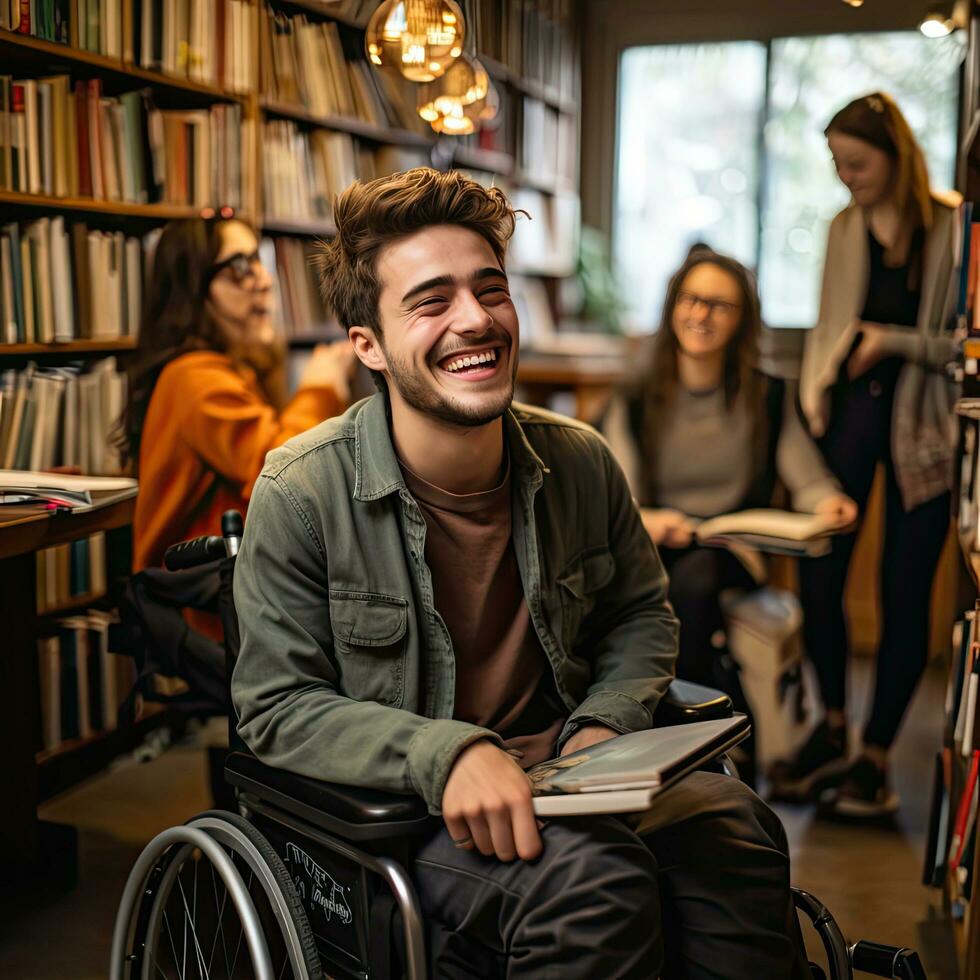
{"x":890,"y":300}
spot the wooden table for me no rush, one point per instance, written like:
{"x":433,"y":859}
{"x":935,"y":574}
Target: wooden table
{"x":22,"y":533}
{"x":591,"y":380}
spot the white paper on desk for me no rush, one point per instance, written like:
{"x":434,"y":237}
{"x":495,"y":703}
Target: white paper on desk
{"x":63,"y":481}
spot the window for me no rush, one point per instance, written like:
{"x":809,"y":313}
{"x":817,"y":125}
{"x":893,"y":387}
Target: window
{"x":692,"y":149}
{"x":687,"y":161}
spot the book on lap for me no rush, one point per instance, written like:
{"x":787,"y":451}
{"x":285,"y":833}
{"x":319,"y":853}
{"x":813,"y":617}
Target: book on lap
{"x":770,"y":530}
{"x":626,"y":773}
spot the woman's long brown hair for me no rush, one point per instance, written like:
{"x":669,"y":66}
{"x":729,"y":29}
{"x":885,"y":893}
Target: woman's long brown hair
{"x":877,"y":119}
{"x":175,"y":319}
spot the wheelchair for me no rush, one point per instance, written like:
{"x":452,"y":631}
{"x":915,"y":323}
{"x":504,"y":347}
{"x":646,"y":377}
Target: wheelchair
{"x":312,"y":879}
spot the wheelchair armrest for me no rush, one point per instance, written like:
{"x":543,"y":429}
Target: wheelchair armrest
{"x":685,"y":702}
{"x":359,"y":814}
{"x":351,"y":812}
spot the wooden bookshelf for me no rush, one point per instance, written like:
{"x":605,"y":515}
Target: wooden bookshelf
{"x":345,"y":124}
{"x":327,"y":11}
{"x":77,"y":604}
{"x":63,"y":766}
{"x":313,"y":228}
{"x":157,"y":213}
{"x":48,"y":54}
{"x":23,"y":533}
{"x":325,"y":334}
{"x":77,"y":348}
{"x":966,"y":927}
{"x":490,"y":161}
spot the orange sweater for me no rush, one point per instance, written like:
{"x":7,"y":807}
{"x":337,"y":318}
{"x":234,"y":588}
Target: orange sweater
{"x":205,"y":437}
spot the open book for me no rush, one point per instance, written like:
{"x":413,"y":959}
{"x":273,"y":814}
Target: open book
{"x":27,"y":488}
{"x":624,"y":774}
{"x":779,"y":531}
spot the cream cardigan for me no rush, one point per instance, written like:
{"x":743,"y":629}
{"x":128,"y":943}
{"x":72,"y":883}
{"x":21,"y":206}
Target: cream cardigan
{"x":923,"y":428}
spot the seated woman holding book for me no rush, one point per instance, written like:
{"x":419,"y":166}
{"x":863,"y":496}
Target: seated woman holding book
{"x":206,"y":388}
{"x":705,"y":432}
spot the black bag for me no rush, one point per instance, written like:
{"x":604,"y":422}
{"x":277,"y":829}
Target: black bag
{"x":154,"y":633}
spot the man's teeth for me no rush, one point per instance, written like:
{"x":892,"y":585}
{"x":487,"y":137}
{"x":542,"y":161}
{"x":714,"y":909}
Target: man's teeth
{"x":487,"y":357}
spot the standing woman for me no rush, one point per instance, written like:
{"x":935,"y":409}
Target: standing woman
{"x":206,"y":396}
{"x":873,"y":390}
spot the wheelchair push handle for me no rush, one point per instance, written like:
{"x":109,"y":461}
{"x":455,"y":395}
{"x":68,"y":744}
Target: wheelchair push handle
{"x":886,"y":961}
{"x":209,"y":547}
{"x":197,"y":551}
{"x":232,"y":527}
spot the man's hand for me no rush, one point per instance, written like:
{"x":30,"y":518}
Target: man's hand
{"x":869,"y":351}
{"x":487,"y":804}
{"x":588,"y":735}
{"x":667,"y":528}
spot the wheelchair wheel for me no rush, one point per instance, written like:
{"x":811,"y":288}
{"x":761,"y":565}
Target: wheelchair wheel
{"x":212,"y":899}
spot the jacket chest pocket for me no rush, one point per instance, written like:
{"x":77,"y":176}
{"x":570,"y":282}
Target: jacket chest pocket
{"x":369,"y":636}
{"x":579,"y":582}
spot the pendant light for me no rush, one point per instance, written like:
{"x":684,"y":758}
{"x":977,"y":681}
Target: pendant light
{"x":464,"y":84}
{"x":419,"y":38}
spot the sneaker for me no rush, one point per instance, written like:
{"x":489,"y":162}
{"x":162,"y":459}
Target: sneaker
{"x":864,"y":793}
{"x":818,"y":765}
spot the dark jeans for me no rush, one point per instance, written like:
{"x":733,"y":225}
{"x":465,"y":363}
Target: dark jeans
{"x":698,"y":576}
{"x":857,"y":440}
{"x":698,"y":887}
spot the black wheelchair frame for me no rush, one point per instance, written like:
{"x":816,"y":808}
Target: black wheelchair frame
{"x":333,"y":863}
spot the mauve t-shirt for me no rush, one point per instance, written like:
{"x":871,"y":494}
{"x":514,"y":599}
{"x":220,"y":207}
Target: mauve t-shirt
{"x":503,"y":679}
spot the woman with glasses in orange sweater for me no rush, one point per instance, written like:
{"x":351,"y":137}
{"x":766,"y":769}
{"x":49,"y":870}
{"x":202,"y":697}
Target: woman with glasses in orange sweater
{"x":206,"y":387}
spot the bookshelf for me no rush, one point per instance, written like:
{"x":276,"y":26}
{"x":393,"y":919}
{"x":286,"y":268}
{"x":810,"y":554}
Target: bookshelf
{"x":227,"y":86}
{"x":74,"y":348}
{"x":959,"y":899}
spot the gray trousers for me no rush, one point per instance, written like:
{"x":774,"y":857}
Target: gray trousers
{"x":697,"y":887}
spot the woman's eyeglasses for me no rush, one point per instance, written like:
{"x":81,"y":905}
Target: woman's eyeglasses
{"x":688,"y":301}
{"x":241,"y":267}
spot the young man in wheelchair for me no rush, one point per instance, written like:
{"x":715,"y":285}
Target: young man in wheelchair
{"x":439,"y":589}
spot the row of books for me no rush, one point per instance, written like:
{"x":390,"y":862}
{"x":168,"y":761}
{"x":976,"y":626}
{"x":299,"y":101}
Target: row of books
{"x":48,"y":276}
{"x":299,"y":306}
{"x":65,"y":139}
{"x":209,"y":41}
{"x":82,"y":681}
{"x":968,"y":504}
{"x":200,"y":155}
{"x":547,"y":244}
{"x":952,"y":831}
{"x":305,"y":63}
{"x":70,"y":571}
{"x":548,"y":143}
{"x":533,"y":38}
{"x":62,"y":417}
{"x":46,"y":19}
{"x":302,"y":170}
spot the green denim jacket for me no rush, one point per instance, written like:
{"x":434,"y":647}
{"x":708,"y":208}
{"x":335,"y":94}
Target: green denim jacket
{"x":346,"y":671}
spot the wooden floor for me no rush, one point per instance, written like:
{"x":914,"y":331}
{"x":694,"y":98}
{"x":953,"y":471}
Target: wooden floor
{"x":868,"y":876}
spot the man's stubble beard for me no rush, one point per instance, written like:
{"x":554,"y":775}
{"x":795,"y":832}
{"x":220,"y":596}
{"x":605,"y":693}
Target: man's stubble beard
{"x":420,"y":396}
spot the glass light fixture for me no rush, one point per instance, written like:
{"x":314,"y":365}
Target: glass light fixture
{"x":465,"y":83}
{"x":938,"y":22}
{"x":421,"y":38}
{"x":462,"y":120}
{"x":854,"y":3}
{"x":458,"y":122}
{"x":492,"y":105}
